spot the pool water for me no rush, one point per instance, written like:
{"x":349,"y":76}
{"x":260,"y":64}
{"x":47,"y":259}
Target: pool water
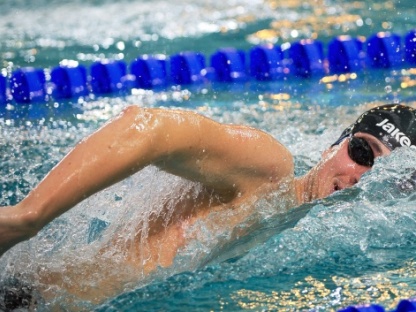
{"x":357,"y":246}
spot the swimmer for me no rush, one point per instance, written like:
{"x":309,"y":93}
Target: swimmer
{"x":234,"y":164}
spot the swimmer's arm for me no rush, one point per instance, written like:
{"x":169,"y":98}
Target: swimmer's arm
{"x":230,"y":159}
{"x":225,"y":158}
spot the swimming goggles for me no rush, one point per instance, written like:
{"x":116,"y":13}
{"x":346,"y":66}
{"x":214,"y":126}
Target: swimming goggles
{"x":360,"y":151}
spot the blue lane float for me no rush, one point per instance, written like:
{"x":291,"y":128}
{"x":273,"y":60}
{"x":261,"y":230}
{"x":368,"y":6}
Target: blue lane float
{"x":187,"y":68}
{"x":229,"y":65}
{"x":345,"y":55}
{"x":28,"y":85}
{"x":304,"y":58}
{"x":366,"y":308}
{"x":107,"y":76}
{"x":307,"y":58}
{"x":407,"y":305}
{"x":3,"y":82}
{"x":384,"y":50}
{"x":149,"y":71}
{"x":266,"y":62}
{"x":410,"y":47}
{"x":69,"y":81}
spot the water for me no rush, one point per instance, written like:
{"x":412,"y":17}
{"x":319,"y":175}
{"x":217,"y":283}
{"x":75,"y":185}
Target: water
{"x":356,"y":246}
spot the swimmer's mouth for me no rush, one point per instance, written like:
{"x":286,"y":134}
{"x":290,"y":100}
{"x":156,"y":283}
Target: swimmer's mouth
{"x":339,"y":184}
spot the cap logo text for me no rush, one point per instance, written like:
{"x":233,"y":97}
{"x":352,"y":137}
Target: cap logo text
{"x":395,"y":133}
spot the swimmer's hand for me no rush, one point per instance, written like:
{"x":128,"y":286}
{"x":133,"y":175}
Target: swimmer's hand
{"x":15,"y":227}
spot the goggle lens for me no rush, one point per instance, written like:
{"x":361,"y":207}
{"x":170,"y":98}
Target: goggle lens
{"x":360,"y":152}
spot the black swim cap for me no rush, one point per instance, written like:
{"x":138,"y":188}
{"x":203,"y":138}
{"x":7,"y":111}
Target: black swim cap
{"x":393,"y":124}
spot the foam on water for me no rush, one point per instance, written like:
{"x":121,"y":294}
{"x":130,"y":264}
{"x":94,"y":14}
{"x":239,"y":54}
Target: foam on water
{"x":42,"y":33}
{"x":88,"y":23}
{"x":39,"y":31}
{"x":356,"y":244}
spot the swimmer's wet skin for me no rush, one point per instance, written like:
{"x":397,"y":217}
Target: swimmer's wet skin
{"x":234,"y":164}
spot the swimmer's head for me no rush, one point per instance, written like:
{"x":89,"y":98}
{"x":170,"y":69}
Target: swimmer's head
{"x":394,"y":125}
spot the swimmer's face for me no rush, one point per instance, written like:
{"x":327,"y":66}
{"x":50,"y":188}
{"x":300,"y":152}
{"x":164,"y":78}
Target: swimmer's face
{"x":338,"y":170}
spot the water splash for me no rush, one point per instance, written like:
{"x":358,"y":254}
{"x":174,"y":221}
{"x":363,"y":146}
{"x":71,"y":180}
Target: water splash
{"x":347,"y":239}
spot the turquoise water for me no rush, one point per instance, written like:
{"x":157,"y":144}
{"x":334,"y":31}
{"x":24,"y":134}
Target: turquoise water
{"x":356,"y":246}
